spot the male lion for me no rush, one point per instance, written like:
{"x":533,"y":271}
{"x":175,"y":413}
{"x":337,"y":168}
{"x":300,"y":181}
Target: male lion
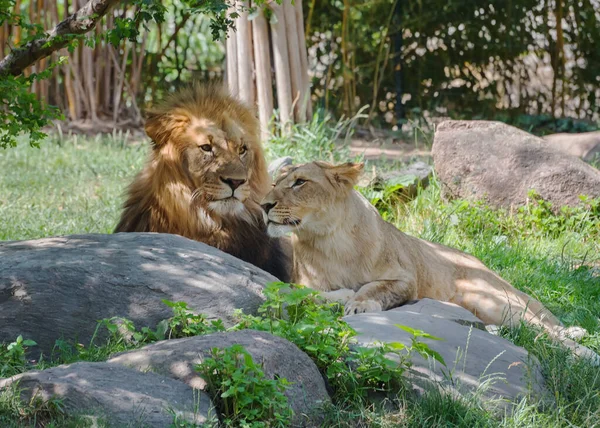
{"x":343,"y":247}
{"x":204,"y":178}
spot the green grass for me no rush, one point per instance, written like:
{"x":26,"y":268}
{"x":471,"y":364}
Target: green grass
{"x":77,"y":187}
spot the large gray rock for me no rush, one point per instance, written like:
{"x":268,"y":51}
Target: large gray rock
{"x":500,"y":163}
{"x":476,"y":361}
{"x":280,"y":359}
{"x":443,"y":310}
{"x":60,"y":287}
{"x":116,"y":395}
{"x":585,"y":145}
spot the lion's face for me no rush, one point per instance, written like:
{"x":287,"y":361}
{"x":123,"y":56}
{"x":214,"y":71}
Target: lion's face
{"x":219,"y":162}
{"x":220,"y":157}
{"x":302,"y":196}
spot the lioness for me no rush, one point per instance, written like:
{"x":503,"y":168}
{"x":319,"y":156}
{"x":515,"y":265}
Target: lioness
{"x":205,"y":177}
{"x":343,"y":247}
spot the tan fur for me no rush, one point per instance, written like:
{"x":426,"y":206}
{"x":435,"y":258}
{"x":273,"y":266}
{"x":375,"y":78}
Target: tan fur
{"x":344,"y":248}
{"x":205,"y":143}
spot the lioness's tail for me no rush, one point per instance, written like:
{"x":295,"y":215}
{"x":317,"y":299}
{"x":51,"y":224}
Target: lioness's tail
{"x":503,"y":304}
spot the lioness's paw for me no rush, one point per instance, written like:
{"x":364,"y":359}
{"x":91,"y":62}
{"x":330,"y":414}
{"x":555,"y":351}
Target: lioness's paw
{"x":341,"y":296}
{"x":361,"y":306}
{"x":574,"y":333}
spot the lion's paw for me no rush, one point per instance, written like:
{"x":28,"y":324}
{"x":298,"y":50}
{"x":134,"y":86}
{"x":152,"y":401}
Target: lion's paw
{"x":341,"y":296}
{"x":361,"y":306}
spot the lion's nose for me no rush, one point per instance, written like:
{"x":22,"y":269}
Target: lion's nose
{"x":267,"y":207}
{"x":234,"y":184}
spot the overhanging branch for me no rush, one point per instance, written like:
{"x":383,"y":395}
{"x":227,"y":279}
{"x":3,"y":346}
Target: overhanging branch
{"x":76,"y":24}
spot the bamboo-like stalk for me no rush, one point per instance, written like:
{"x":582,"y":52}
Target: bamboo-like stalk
{"x":264,"y":80}
{"x":306,"y":104}
{"x":291,"y":31}
{"x":117,"y":95}
{"x":244,"y":54}
{"x":232,"y":68}
{"x":282,"y":64}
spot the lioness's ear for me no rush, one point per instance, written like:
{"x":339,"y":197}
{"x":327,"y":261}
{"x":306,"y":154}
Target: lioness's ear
{"x":161,"y":126}
{"x":346,"y":174}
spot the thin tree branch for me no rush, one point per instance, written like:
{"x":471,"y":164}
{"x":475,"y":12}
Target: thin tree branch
{"x":77,"y":24}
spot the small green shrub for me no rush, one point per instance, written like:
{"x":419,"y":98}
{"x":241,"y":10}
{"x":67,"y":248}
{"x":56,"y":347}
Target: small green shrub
{"x":298,"y":314}
{"x":244,"y":396}
{"x":186,"y":323}
{"x":12,"y":356}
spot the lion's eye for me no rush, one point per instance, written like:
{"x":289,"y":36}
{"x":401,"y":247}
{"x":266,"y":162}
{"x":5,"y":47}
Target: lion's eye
{"x":206,"y":147}
{"x":299,"y":182}
{"x":243,"y":149}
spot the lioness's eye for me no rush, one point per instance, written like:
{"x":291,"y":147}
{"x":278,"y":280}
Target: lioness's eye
{"x":298,"y":182}
{"x":206,"y":147}
{"x":243,"y":149}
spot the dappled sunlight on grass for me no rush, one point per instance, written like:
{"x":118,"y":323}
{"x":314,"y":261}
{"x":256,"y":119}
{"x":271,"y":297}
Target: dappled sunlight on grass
{"x":76,"y":187}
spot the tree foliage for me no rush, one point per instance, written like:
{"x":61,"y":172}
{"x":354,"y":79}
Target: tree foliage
{"x":472,"y":58}
{"x":21,"y":110}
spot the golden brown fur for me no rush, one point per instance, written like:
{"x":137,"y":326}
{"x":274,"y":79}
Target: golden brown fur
{"x":344,"y":248}
{"x":204,"y":178}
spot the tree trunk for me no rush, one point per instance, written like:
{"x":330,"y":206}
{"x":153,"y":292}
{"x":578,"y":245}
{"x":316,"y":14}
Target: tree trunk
{"x":264,"y":80}
{"x":295,"y":62}
{"x":282,"y":64}
{"x":232,"y":67}
{"x":244,"y":54}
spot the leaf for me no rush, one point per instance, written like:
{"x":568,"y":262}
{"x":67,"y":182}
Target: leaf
{"x":396,"y":345}
{"x":417,"y":333}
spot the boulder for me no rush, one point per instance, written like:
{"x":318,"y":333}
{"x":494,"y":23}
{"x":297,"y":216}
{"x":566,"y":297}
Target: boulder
{"x":280,"y":359}
{"x":276,"y":165}
{"x":408,"y":179}
{"x":116,"y":395}
{"x":499,"y":163}
{"x":585,"y":145}
{"x":443,"y":310}
{"x":476,"y":361}
{"x":57,"y":288}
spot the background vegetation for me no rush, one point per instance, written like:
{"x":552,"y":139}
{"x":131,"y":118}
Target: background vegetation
{"x":72,"y":185}
{"x":529,"y":62}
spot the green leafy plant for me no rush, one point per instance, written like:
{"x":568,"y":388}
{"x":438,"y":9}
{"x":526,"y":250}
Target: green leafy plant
{"x":185,"y":322}
{"x":12,"y":356}
{"x":299,"y":315}
{"x":243,"y":394}
{"x":384,"y":196}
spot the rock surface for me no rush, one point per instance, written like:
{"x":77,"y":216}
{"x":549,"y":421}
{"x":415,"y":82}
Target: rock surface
{"x":499,"y":163}
{"x":412,"y":176}
{"x":56,"y":288}
{"x":476,"y":361}
{"x":585,"y":145}
{"x":277,"y":164}
{"x":443,"y":310}
{"x":116,"y":395}
{"x":280,"y":359}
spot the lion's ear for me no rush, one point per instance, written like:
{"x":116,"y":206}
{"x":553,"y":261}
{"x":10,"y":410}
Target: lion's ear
{"x":162,"y":126}
{"x":346,"y":174}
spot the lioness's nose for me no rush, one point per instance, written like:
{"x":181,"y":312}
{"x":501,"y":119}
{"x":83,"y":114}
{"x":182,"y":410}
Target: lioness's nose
{"x":234,"y":184}
{"x":267,"y":207}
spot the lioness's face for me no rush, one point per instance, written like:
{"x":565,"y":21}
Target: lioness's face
{"x":303,"y":195}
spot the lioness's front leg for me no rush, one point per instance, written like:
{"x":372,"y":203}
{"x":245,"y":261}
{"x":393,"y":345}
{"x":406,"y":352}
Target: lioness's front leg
{"x":380,"y":295}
